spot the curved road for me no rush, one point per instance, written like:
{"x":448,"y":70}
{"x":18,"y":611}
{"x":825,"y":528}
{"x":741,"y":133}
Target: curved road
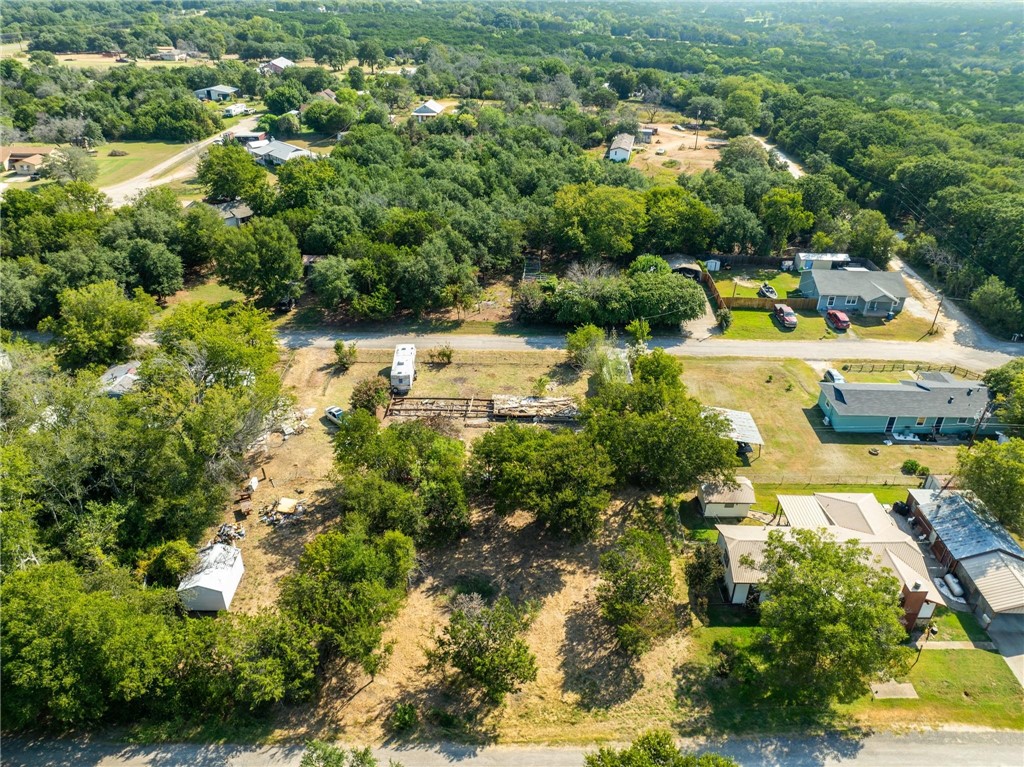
{"x":919,"y":749}
{"x":181,"y":165}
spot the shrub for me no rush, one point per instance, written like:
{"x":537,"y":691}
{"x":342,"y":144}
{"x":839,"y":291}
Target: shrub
{"x":346,"y":354}
{"x":581,"y":343}
{"x":724,"y":317}
{"x":404,"y":718}
{"x":540,"y":386}
{"x":371,"y":393}
{"x":442,"y":355}
{"x":910,"y":466}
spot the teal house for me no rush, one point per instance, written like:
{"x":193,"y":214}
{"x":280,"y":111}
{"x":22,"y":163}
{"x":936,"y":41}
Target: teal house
{"x":938,"y":403}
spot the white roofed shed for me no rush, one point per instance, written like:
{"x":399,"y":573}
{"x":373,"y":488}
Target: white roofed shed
{"x":212,"y":585}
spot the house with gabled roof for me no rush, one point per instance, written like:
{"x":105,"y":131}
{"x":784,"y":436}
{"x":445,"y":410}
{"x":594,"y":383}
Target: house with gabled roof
{"x":216,"y":93}
{"x":845,"y":517}
{"x":853,"y":290}
{"x":428,"y":109}
{"x":936,"y":403}
{"x":276,"y":66}
{"x":621,"y":148}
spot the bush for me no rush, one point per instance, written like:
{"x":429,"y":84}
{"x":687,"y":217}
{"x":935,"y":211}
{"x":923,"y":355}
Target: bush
{"x":724,"y":317}
{"x":912,"y":467}
{"x":371,"y":393}
{"x":167,"y":564}
{"x":581,"y":344}
{"x":346,"y":354}
{"x":404,"y":718}
{"x":442,"y":355}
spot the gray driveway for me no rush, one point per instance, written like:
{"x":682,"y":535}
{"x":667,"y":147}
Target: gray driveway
{"x":1011,"y":647}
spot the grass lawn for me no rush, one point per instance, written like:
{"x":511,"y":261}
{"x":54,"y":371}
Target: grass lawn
{"x":905,"y":327}
{"x":767,"y":493}
{"x":142,"y":155}
{"x":208,"y":291}
{"x":760,"y":324}
{"x":799,"y":449}
{"x":966,"y":686}
{"x":746,"y":284}
{"x":956,"y":626}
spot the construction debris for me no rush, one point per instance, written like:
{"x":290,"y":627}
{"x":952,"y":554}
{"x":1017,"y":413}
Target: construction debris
{"x":283,"y":511}
{"x":228,"y":534}
{"x":545,"y":408}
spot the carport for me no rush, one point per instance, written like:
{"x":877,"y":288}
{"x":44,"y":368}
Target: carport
{"x":742,"y":427}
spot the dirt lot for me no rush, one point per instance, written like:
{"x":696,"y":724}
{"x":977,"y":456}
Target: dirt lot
{"x":679,"y":157}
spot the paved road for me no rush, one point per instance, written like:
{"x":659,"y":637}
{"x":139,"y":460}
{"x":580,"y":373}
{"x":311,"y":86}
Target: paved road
{"x":181,"y":165}
{"x":929,"y":749}
{"x":924,"y":351}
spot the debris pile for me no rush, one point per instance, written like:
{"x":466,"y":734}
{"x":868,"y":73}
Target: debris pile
{"x":229,"y":533}
{"x":511,"y":406}
{"x":283,"y":512}
{"x":295,"y":422}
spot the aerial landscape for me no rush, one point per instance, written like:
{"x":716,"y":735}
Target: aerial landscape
{"x":522,"y":384}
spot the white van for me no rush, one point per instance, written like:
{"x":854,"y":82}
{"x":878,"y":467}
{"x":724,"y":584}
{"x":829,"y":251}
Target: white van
{"x":403,"y":368}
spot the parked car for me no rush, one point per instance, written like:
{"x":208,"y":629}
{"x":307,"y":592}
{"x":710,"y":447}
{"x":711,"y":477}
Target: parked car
{"x":785,"y":315}
{"x":767,"y":291}
{"x":334,"y":414}
{"x":677,"y":126}
{"x":285,"y":305}
{"x":660,"y":150}
{"x":834,"y":376}
{"x":837,"y":319}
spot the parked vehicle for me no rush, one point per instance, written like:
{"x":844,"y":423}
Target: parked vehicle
{"x":403,"y":368}
{"x":334,"y":414}
{"x":837,"y":319}
{"x":285,"y":305}
{"x":767,"y":291}
{"x":834,"y":376}
{"x":785,"y":315}
{"x":661,"y":150}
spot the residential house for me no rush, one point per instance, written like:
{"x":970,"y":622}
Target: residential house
{"x":846,"y":517}
{"x":216,"y":93}
{"x":277,"y":152}
{"x":118,"y":380}
{"x":166,"y":53}
{"x":24,"y":160}
{"x":276,"y":67}
{"x":233,"y":213}
{"x":937,"y":403}
{"x":873,"y":294}
{"x":427,"y":110}
{"x":246,"y":136}
{"x":622,"y":147}
{"x":212,"y":586}
{"x":326,"y":94}
{"x":820,"y":260}
{"x":972,"y":545}
{"x":721,"y":500}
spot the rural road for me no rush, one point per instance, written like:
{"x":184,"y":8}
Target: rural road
{"x":925,"y":749}
{"x":936,"y":351}
{"x":181,"y":165}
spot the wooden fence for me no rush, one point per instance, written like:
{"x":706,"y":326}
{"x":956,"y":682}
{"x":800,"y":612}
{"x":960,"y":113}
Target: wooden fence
{"x":891,"y":367}
{"x":746,"y":302}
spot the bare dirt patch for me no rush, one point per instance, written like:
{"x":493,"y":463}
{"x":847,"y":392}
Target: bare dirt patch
{"x":680,"y":155}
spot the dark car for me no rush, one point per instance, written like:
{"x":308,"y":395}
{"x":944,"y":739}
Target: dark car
{"x":785,"y":315}
{"x":285,"y":305}
{"x":837,"y":319}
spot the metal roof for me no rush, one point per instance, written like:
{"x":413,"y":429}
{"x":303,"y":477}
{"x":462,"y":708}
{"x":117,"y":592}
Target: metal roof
{"x":623,"y":141}
{"x":217,"y":569}
{"x":803,"y":511}
{"x":741,"y":426}
{"x":856,"y":511}
{"x":1000,"y":579}
{"x":868,"y":286}
{"x":120,"y":379}
{"x":717,"y":492}
{"x":948,"y":397}
{"x":429,"y":107}
{"x":834,"y":257}
{"x":964,"y":531}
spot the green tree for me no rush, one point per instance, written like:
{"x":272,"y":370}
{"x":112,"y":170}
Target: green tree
{"x":736,"y":126}
{"x":484,"y":646}
{"x":998,"y":306}
{"x":286,"y":98}
{"x":677,"y":221}
{"x":831,"y":622}
{"x":704,"y":569}
{"x":783,"y":215}
{"x":70,"y":163}
{"x":654,"y":749}
{"x":229,"y":173}
{"x":320,"y":754}
{"x":98,"y":323}
{"x":327,"y":117}
{"x":743,"y":105}
{"x":599,"y":221}
{"x":582,"y":343}
{"x":262,"y":260}
{"x":370,"y":53}
{"x":370,"y":394}
{"x":349,"y":587}
{"x":201,"y":235}
{"x":1006,"y":384}
{"x":159,"y":271}
{"x":356,"y":78}
{"x":635,"y":594}
{"x":393,"y":90}
{"x":995,"y":473}
{"x":871,"y":238}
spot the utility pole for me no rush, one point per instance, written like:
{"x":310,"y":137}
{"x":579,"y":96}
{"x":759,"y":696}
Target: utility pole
{"x":935,"y":319}
{"x":696,"y":131}
{"x":977,"y":425}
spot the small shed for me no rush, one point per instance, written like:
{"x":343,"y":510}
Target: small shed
{"x":427,"y":110}
{"x":720,"y":500}
{"x":212,"y":585}
{"x":621,"y":148}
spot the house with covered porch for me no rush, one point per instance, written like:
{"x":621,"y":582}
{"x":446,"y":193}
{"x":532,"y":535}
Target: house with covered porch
{"x":855,"y":290}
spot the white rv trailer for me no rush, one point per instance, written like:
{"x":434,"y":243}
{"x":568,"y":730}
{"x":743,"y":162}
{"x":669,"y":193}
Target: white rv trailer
{"x":403,"y":368}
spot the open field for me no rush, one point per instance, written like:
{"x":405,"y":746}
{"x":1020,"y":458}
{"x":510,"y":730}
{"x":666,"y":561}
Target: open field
{"x":142,"y":155}
{"x":680,"y":156}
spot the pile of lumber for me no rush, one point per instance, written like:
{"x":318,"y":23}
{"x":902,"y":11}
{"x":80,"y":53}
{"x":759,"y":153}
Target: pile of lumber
{"x":511,"y":406}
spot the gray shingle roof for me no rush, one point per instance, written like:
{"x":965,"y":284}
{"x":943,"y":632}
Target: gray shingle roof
{"x":623,"y":141}
{"x":933,"y":396}
{"x":964,"y":531}
{"x":869,"y":286}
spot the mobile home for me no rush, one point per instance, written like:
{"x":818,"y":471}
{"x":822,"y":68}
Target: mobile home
{"x":403,"y":368}
{"x":235,"y":110}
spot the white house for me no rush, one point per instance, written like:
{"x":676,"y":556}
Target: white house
{"x":720,"y":500}
{"x":216,"y":93}
{"x":212,"y":586}
{"x":621,"y":148}
{"x":277,"y":152}
{"x":277,"y":66}
{"x":427,"y":110}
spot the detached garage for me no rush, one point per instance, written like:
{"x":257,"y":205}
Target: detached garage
{"x":213,"y":584}
{"x":996,"y":583}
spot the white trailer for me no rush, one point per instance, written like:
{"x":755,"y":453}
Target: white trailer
{"x":403,"y":368}
{"x":235,"y":110}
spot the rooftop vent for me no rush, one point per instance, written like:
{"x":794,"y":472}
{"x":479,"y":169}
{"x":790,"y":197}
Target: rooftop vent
{"x":950,"y":401}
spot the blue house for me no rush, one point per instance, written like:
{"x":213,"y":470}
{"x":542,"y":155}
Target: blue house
{"x":938,"y":403}
{"x":873,"y":294}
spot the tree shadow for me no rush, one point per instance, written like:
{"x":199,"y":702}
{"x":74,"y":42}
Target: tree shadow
{"x":593,"y":666}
